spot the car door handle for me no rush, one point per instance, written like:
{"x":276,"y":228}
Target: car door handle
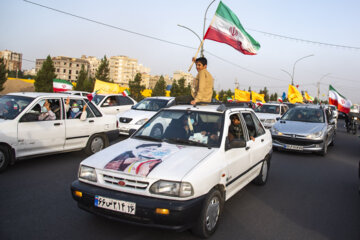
{"x":247,"y":148}
{"x":57,"y":124}
{"x":262,"y":140}
{"x":117,"y":109}
{"x":91,"y":121}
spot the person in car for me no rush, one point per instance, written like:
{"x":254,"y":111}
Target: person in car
{"x":235,"y":130}
{"x":46,"y":113}
{"x":74,"y":112}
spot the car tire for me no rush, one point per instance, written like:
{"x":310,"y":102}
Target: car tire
{"x":157,"y":131}
{"x":323,"y":152}
{"x":332,"y":141}
{"x":96,"y":143}
{"x":261,"y":179}
{"x":4,"y":157}
{"x":210,"y":214}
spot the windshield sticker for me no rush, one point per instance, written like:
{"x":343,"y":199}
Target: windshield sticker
{"x":141,"y":160}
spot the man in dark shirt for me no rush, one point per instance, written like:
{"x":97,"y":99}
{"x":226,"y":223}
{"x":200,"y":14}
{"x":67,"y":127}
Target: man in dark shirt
{"x":235,"y":130}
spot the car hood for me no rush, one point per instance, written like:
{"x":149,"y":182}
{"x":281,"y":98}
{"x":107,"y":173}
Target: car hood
{"x":300,"y":128}
{"x":267,"y":115}
{"x":158,"y":160}
{"x":136,"y":114}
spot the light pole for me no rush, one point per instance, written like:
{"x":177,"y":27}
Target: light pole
{"x":288,"y":74}
{"x":197,"y":35}
{"x":318,"y":85}
{"x":293,"y":72}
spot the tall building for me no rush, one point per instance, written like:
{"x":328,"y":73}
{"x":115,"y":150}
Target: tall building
{"x":13,"y":60}
{"x":124,"y":69}
{"x":155,"y":78}
{"x":187,"y":76}
{"x":66,"y":68}
{"x":93,"y":64}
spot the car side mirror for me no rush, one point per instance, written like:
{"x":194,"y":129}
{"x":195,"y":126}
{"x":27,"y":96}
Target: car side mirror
{"x":235,"y":143}
{"x":131,"y":132}
{"x":332,"y":121}
{"x":278,"y":118}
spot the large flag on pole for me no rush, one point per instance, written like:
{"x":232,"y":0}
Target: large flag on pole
{"x":242,"y":95}
{"x":308,"y":97}
{"x":294,"y":95}
{"x":226,"y":28}
{"x":338,"y":100}
{"x":60,"y":85}
{"x":257,"y":96}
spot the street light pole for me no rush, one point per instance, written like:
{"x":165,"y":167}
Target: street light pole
{"x":318,"y":83}
{"x":197,"y":35}
{"x":293,"y":73}
{"x":288,"y":74}
{"x":202,"y":47}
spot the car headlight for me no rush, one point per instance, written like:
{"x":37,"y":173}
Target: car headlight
{"x":274,"y":131}
{"x":315,"y":135}
{"x":87,"y":173}
{"x":141,"y":122}
{"x":173,"y":189}
{"x":270,"y":121}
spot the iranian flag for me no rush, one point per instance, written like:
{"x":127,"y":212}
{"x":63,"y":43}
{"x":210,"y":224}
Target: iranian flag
{"x":125,"y":93}
{"x":60,"y":85}
{"x":338,"y":100}
{"x":226,"y":28}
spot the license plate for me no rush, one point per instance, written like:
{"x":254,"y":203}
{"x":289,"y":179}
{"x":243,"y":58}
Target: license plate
{"x":115,"y":205}
{"x":124,"y":129}
{"x":294,"y":147}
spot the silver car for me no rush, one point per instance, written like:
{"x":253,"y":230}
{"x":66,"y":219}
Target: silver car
{"x":309,"y":128}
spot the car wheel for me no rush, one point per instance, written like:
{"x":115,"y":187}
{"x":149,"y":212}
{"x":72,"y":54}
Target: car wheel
{"x":96,"y":143}
{"x":210,"y":214}
{"x":323,"y":152}
{"x":4,"y":157}
{"x":263,"y":175}
{"x":332,"y":141}
{"x":157,"y":131}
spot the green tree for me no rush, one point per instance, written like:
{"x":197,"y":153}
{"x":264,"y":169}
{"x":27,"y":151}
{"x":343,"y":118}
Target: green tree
{"x":89,"y":84}
{"x":266,"y":92}
{"x":136,"y":88}
{"x":276,"y":96}
{"x":221,"y":95}
{"x":159,"y":88}
{"x":174,"y":91}
{"x":2,"y":74}
{"x":182,"y":88}
{"x":81,"y":81}
{"x":102,"y":73}
{"x":44,"y":77}
{"x":214,"y":94}
{"x":229,"y":94}
{"x":188,"y":90}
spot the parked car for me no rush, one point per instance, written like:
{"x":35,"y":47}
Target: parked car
{"x":307,"y":128}
{"x":113,"y":103}
{"x":22,"y":134}
{"x":78,"y":93}
{"x":269,"y":113}
{"x":180,"y":179}
{"x":141,"y":112}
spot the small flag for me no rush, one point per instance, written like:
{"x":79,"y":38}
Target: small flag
{"x":226,"y":28}
{"x":90,"y":96}
{"x":283,"y":96}
{"x":280,"y":99}
{"x":125,"y":93}
{"x":342,"y":103}
{"x":229,"y":99}
{"x":60,"y":85}
{"x":308,"y":97}
{"x":257,"y":96}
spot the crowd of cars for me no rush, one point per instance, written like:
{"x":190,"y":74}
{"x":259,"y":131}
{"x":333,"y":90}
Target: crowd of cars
{"x":178,"y":166}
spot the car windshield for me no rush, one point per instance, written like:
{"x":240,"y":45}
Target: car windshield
{"x":97,"y":99}
{"x":150,"y":104}
{"x":304,"y":115}
{"x":184,"y":127}
{"x":275,"y":109}
{"x":11,"y":106}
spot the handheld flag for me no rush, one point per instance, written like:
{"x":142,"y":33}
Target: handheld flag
{"x":125,"y":93}
{"x":242,"y":95}
{"x":294,"y":95}
{"x":308,"y":97}
{"x":90,"y":96}
{"x":338,"y":100}
{"x":283,"y":96}
{"x":226,"y":28}
{"x":60,"y":85}
{"x":280,"y":99}
{"x":256,"y":96}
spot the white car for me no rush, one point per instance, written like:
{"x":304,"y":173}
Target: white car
{"x":269,"y":113}
{"x":22,"y":134}
{"x":113,"y":103}
{"x":78,"y":93}
{"x":141,"y":112}
{"x":182,"y":178}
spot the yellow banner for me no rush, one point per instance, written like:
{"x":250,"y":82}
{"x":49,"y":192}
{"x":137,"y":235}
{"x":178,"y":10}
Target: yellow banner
{"x":242,"y":95}
{"x":308,"y":97}
{"x":294,"y":95}
{"x":146,"y":93}
{"x":106,"y":88}
{"x":257,"y":96}
{"x":23,"y":79}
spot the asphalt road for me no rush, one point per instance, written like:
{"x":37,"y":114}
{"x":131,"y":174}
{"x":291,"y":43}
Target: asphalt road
{"x":307,"y":197}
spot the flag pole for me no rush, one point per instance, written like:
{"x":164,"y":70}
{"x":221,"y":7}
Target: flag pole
{"x":197,"y":52}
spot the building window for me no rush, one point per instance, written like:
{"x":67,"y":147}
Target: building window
{"x":64,"y":71}
{"x":70,"y":64}
{"x":77,"y":65}
{"x":57,"y":70}
{"x":69,"y":77}
{"x":69,"y":71}
{"x":64,"y":63}
{"x":77,"y":72}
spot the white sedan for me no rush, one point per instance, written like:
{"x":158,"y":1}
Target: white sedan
{"x":34,"y":124}
{"x":113,"y":103}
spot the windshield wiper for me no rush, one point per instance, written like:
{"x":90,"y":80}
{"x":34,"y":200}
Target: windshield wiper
{"x":149,"y":138}
{"x":185,"y":141}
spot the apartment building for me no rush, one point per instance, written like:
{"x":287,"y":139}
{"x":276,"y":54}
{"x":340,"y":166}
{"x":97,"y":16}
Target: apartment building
{"x":66,"y":68}
{"x":93,"y":64}
{"x":187,"y":76}
{"x":13,"y":60}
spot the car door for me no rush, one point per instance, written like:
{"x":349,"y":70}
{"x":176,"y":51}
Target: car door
{"x":238,"y":162}
{"x":78,"y":131}
{"x":125,"y":103}
{"x":41,"y":136}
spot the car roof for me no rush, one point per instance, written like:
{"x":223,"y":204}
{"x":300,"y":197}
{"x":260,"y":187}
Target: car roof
{"x":42,"y":94}
{"x":216,"y":108}
{"x":309,"y":106}
{"x":161,"y":97}
{"x":71,"y":91}
{"x":273,"y":104}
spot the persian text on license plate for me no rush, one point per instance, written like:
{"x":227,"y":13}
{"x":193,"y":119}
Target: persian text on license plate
{"x":115,"y":205}
{"x":294,"y":147}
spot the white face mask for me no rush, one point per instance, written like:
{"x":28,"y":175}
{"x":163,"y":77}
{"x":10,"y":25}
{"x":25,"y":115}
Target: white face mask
{"x":44,"y":109}
{"x":75,"y":110}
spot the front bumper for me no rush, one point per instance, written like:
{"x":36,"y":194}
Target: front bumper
{"x":182,"y":214}
{"x":124,"y":128}
{"x":297,"y":144}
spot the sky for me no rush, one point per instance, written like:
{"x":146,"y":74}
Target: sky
{"x":37,"y":32}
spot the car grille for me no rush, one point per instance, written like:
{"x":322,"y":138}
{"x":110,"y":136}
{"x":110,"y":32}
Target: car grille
{"x":128,"y":183}
{"x":125,"y":120}
{"x":295,"y":141}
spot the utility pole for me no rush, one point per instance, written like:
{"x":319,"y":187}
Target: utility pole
{"x":236,"y":83}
